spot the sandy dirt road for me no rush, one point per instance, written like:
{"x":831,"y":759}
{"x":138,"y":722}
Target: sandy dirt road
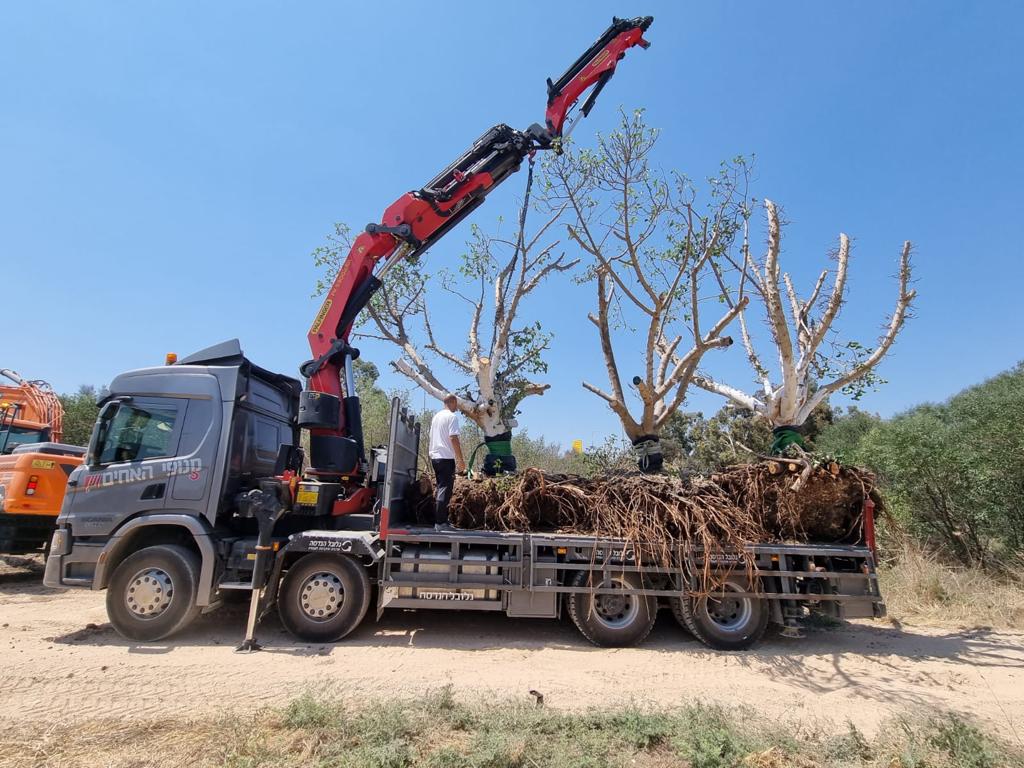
{"x":60,"y":659}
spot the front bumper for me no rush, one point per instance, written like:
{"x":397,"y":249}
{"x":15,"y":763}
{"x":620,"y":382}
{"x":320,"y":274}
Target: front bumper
{"x":70,"y":564}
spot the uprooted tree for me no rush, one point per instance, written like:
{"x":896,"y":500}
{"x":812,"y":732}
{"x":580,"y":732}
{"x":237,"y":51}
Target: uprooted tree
{"x":813,"y":362}
{"x":494,"y":371}
{"x":650,"y":247}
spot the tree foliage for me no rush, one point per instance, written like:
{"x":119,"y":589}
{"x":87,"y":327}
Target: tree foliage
{"x":80,"y":411}
{"x":733,"y":435}
{"x":953,"y":472}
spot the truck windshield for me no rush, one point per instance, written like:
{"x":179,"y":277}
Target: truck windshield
{"x":133,"y":432}
{"x":12,"y":437}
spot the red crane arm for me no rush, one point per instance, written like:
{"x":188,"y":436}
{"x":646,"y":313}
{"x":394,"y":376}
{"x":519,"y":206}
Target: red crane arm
{"x":594,"y":68}
{"x":416,"y":221}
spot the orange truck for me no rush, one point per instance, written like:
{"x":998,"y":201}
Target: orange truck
{"x":34,"y":464}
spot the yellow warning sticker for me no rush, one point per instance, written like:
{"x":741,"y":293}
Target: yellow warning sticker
{"x":43,"y":464}
{"x":307,"y":497}
{"x":321,"y":316}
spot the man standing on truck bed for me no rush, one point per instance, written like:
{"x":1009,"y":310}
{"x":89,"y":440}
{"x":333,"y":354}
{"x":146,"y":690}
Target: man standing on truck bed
{"x":445,"y":457}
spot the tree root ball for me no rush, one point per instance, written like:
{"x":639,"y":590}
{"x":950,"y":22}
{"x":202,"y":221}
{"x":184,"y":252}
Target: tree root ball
{"x":740,"y":505}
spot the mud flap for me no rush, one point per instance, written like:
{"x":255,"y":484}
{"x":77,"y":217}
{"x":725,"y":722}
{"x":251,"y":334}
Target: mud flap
{"x":384,"y":596}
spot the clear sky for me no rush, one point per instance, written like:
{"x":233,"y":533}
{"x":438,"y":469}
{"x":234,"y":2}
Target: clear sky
{"x":167,"y":168}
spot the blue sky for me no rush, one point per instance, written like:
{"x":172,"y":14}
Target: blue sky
{"x":166,"y":169}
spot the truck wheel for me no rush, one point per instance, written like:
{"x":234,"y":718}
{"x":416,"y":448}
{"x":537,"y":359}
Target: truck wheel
{"x":611,"y":620}
{"x":152,"y":593}
{"x":323,"y":597}
{"x":678,"y":612}
{"x":726,"y":623}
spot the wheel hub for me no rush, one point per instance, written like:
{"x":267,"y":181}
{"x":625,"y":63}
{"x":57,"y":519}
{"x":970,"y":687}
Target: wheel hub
{"x":615,"y":610}
{"x":149,"y":593}
{"x":729,"y":612}
{"x":321,"y":596}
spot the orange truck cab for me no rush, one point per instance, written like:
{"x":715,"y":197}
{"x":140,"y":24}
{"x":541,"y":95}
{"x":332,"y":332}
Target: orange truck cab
{"x":34,"y":464}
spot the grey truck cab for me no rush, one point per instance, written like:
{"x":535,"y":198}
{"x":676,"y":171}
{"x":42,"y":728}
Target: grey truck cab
{"x":172,"y":450}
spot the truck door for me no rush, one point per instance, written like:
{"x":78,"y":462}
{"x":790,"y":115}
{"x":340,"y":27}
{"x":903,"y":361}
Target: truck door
{"x":129,"y":465}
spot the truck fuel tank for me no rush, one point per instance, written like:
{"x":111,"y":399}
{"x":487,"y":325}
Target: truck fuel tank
{"x":434,"y":564}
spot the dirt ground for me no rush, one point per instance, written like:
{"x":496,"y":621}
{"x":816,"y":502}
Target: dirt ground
{"x":60,"y":659}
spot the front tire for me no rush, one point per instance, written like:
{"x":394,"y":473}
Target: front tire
{"x":323,"y":597}
{"x":610,"y":620}
{"x":726,"y":623}
{"x":152,"y":592}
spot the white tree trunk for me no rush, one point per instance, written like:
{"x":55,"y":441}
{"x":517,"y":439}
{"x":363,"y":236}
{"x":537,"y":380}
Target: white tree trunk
{"x":791,"y":403}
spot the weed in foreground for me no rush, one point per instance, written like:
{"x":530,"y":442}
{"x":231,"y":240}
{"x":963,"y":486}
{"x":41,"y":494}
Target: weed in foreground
{"x":312,"y":711}
{"x":708,"y":738}
{"x":964,"y":743}
{"x":443,"y":731}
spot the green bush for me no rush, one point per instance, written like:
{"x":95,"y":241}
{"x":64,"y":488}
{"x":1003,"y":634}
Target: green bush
{"x":953,"y":473}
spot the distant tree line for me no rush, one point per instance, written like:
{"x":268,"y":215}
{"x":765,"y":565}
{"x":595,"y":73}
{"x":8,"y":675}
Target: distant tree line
{"x":80,"y":412}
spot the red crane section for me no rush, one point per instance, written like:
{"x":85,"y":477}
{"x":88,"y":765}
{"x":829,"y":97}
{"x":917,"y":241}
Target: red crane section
{"x":414,"y":222}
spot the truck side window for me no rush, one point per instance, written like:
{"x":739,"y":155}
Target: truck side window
{"x":136,"y":432}
{"x":267,"y":440}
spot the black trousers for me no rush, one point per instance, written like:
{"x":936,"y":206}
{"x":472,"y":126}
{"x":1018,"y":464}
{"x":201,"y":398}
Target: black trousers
{"x":444,"y":472}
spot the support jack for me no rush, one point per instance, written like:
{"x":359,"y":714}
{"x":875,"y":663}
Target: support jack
{"x":265,"y":505}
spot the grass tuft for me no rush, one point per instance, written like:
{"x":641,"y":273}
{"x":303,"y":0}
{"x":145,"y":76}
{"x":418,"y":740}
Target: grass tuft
{"x":443,"y":731}
{"x":964,"y":743}
{"x":310,"y":711}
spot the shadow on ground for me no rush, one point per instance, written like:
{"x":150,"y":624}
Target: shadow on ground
{"x":469,"y":632}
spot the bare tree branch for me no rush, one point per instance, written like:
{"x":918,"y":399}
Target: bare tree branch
{"x":791,"y":402}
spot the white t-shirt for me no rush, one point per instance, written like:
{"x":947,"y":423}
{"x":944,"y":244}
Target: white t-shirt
{"x":443,"y":427}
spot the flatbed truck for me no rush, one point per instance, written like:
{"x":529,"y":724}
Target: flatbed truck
{"x":160,"y":515}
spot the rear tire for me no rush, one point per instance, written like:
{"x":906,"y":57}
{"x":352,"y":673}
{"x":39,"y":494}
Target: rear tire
{"x":323,"y":597}
{"x":678,"y":612}
{"x":611,"y":621}
{"x":726,"y":624}
{"x":152,"y":592}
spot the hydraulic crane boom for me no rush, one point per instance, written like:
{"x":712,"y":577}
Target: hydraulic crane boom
{"x":415,"y":222}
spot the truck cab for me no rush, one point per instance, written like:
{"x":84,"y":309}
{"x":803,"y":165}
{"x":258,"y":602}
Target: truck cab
{"x":172,"y":449}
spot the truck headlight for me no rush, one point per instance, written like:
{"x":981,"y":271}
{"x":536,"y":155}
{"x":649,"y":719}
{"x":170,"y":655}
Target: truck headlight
{"x":60,"y":544}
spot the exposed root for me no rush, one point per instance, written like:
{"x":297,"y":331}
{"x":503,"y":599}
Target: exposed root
{"x":774,"y":500}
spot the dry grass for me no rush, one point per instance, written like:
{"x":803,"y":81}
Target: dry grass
{"x":919,"y":588}
{"x":442,"y":732}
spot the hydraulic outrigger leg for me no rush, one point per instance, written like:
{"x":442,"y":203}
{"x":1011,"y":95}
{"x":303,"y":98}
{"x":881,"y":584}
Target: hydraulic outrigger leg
{"x":265,"y":505}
